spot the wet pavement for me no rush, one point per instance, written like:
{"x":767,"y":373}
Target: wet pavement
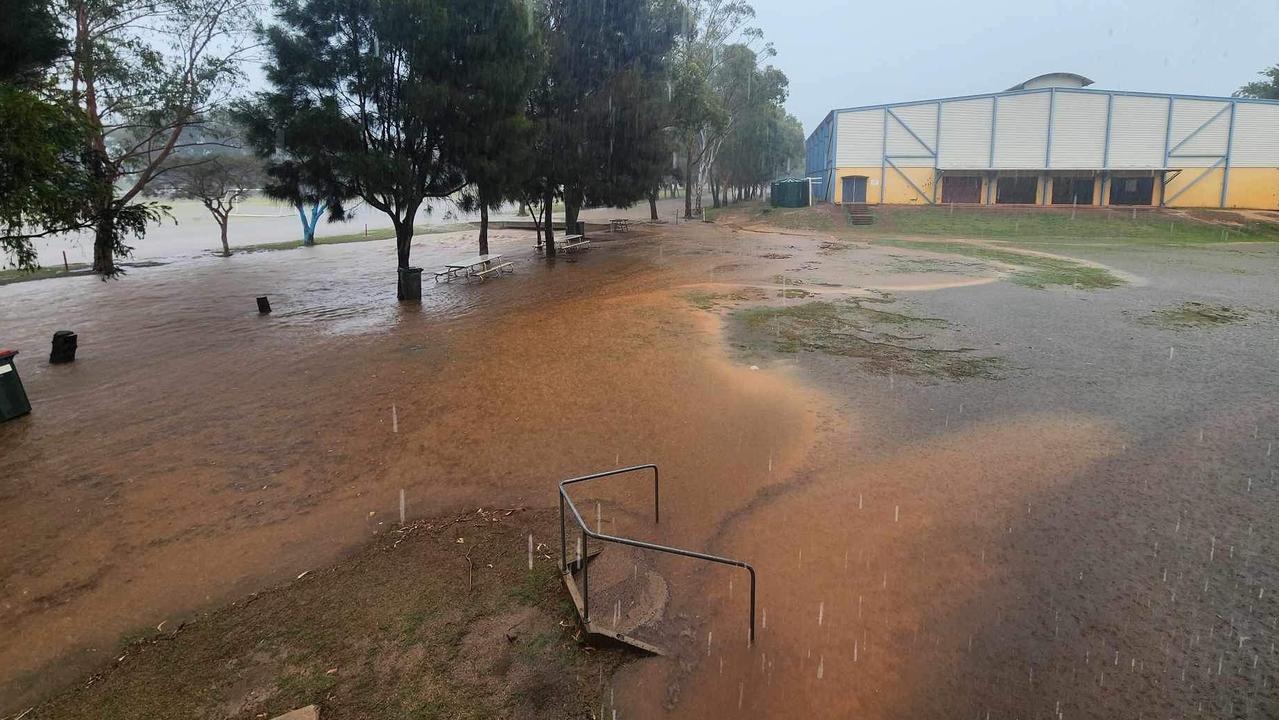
{"x":1090,"y":535}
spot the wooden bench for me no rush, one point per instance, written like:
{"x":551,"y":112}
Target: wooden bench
{"x":494,"y":270}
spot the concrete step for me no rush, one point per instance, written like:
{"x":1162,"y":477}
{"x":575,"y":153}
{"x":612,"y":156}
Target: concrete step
{"x":628,"y":597}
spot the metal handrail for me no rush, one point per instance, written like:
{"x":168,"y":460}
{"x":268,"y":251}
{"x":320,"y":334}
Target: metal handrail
{"x":588,"y":533}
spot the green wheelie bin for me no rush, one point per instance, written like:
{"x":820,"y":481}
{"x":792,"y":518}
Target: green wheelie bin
{"x":13,"y":399}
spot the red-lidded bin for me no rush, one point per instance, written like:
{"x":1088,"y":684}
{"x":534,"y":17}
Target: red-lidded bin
{"x":13,"y":398}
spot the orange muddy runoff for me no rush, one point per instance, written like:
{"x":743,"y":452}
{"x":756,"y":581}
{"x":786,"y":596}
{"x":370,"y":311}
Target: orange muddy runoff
{"x":196,"y":452}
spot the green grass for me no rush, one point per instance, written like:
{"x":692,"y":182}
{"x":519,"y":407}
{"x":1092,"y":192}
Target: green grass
{"x":709,"y":301}
{"x":1034,"y":271}
{"x":375,"y":234}
{"x":1086,"y":226}
{"x":886,"y":342}
{"x":1194,"y":314}
{"x":44,"y":273}
{"x":814,"y":218}
{"x":8,"y":277}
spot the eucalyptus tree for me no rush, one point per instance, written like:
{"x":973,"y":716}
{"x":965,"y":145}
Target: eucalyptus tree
{"x":596,"y":105}
{"x":44,"y":183}
{"x":142,"y":72}
{"x":219,"y":181}
{"x":713,"y":87}
{"x":766,"y":144}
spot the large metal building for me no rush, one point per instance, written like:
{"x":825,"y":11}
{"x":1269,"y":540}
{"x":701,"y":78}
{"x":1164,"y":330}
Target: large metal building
{"x":1052,"y":141}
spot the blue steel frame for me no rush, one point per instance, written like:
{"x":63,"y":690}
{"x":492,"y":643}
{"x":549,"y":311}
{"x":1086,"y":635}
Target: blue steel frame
{"x":888,"y":160}
{"x":937,"y":156}
{"x":1170,"y":150}
{"x":990,"y":163}
{"x":1230,"y":146}
{"x":1163,"y":177}
{"x":1048,"y":145}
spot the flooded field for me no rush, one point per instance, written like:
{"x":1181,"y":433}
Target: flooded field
{"x":970,"y":487}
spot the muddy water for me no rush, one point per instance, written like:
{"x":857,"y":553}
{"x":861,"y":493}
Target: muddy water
{"x":196,"y":451}
{"x":1090,"y":536}
{"x":925,"y":548}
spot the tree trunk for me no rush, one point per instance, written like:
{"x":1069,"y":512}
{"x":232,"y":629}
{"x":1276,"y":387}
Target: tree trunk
{"x":652,"y":203}
{"x":536,"y":212}
{"x":484,"y":223}
{"x":105,"y":241}
{"x":309,"y":224}
{"x":572,"y":207}
{"x":222,"y":223}
{"x":548,"y":204}
{"x":688,"y":182}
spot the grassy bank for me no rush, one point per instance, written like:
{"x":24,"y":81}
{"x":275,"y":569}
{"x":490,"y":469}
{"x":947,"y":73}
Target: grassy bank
{"x":1092,"y":225}
{"x":442,"y":619}
{"x":8,"y":277}
{"x":364,"y":236}
{"x":1028,"y":226}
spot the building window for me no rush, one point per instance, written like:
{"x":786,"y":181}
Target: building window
{"x":1072,"y":190}
{"x":1016,"y":190}
{"x":1132,"y":191}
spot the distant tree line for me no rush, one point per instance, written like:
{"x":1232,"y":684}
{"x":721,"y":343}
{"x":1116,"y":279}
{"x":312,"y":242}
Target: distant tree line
{"x":105,"y":105}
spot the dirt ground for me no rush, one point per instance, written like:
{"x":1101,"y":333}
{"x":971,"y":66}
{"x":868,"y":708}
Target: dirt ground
{"x":964,"y":494}
{"x":437,"y":619}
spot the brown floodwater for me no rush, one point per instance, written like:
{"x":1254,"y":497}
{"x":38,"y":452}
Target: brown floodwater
{"x":1089,"y":535}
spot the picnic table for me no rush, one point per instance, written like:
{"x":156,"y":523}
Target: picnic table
{"x":575,"y":242}
{"x":478,"y":265}
{"x":619,"y":225}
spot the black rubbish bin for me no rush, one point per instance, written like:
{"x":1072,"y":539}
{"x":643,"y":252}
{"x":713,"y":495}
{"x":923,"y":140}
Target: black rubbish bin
{"x":64,"y":347}
{"x":13,"y":399}
{"x":411,"y":283}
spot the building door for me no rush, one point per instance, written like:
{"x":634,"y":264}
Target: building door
{"x":855,"y":189}
{"x":1072,"y":190}
{"x":961,"y":189}
{"x":1132,"y":191}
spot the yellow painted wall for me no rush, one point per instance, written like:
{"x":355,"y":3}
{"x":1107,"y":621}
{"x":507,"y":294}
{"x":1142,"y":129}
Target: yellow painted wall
{"x":872,"y":184}
{"x":897,"y":191}
{"x":1250,"y":188}
{"x":1253,"y":188}
{"x":1205,"y":193}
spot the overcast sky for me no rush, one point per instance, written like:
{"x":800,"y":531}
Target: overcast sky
{"x":843,"y":53}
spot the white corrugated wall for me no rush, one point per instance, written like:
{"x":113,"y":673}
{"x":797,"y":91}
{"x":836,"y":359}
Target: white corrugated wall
{"x":1199,"y":130}
{"x":1021,"y":131}
{"x":965,"y":134}
{"x":1137,"y":130}
{"x":860,"y":141}
{"x":1079,"y":131}
{"x":1256,"y":141}
{"x":922,"y":120}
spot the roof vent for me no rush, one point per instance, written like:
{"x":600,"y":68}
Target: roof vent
{"x":1053,"y":80}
